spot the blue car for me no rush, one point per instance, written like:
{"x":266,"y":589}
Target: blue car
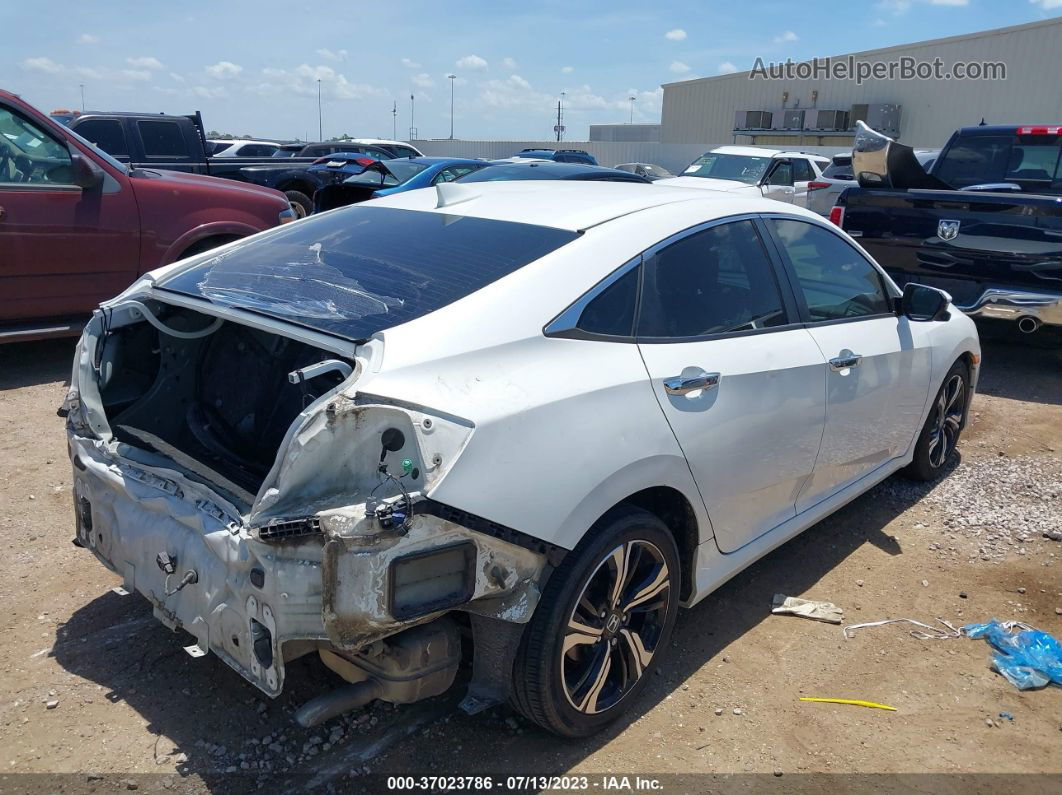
{"x":384,"y":177}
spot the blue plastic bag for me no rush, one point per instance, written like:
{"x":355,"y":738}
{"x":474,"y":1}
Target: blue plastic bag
{"x":1028,"y":659}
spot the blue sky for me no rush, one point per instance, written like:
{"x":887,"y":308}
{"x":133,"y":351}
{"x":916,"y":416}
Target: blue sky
{"x":252,"y":66}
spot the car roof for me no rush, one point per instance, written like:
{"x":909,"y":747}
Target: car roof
{"x":748,"y":151}
{"x":553,"y":167}
{"x":572,"y":205}
{"x":381,"y":141}
{"x":436,"y":160}
{"x":241,"y":141}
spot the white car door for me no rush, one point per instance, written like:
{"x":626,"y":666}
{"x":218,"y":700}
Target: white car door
{"x":778,"y":182}
{"x":877,"y":363}
{"x":742,"y":384}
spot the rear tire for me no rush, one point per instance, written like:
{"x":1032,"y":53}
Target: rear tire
{"x":300,"y":202}
{"x":940,"y":435}
{"x":602,"y":626}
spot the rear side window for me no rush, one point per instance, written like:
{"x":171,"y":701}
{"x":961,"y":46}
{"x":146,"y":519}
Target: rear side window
{"x":612,"y":312}
{"x":364,"y":269}
{"x":839,"y":169}
{"x":107,"y":134}
{"x":162,"y":139}
{"x":715,"y":281}
{"x":835,"y":280}
{"x":1032,"y":161}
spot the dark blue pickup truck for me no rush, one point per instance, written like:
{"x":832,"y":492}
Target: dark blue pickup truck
{"x":985,"y":224}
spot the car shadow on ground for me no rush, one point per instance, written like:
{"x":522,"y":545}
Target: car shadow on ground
{"x":115,"y":642}
{"x":25,"y":364}
{"x":1026,"y":367}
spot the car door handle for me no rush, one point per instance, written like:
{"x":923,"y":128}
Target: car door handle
{"x":684,"y":384}
{"x":844,"y":362}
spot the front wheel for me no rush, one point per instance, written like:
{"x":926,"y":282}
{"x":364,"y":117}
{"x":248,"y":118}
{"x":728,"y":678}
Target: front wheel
{"x":300,"y":203}
{"x":603,"y":624}
{"x":940,"y":435}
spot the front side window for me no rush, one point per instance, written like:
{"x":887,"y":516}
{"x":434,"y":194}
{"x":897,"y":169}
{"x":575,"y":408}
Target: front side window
{"x":781,"y":174}
{"x":30,"y":156}
{"x":835,"y":280}
{"x":105,"y":134}
{"x":162,"y":139}
{"x":716,"y":281}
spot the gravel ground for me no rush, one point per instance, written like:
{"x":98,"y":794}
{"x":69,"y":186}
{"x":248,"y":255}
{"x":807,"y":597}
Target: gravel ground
{"x":98,"y":693}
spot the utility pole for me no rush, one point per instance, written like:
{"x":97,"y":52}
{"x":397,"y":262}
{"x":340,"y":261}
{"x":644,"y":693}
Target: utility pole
{"x":632,"y":110}
{"x":412,"y":129}
{"x":394,"y":121}
{"x":320,"y":118}
{"x":82,"y":97}
{"x":559,"y":127}
{"x":452,"y":78}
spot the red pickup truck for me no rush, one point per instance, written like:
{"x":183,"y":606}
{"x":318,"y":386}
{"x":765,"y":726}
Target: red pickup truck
{"x":77,"y":226}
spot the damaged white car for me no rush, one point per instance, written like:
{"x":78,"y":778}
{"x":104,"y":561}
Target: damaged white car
{"x":534,"y":417}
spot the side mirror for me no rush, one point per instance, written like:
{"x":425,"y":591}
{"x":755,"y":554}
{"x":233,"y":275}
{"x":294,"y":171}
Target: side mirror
{"x":86,"y":175}
{"x":923,"y":304}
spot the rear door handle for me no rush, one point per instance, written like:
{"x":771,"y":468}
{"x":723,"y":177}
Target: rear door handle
{"x":844,"y":362}
{"x":690,"y":381}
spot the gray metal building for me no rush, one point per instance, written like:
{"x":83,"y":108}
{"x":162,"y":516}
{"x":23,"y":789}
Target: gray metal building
{"x":818,"y":110}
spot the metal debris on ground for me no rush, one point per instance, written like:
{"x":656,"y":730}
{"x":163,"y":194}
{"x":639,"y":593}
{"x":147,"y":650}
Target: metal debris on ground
{"x":930,"y":633}
{"x":1028,"y":659}
{"x":807,"y":608}
{"x":869,"y":704}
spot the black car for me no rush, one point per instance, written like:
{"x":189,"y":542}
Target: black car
{"x":550,"y":170}
{"x":560,"y":155}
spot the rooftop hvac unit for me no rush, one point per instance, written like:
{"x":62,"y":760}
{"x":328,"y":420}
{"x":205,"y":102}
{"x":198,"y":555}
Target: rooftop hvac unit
{"x":829,"y":120}
{"x":752,"y":120}
{"x":793,"y":119}
{"x":881,"y":116}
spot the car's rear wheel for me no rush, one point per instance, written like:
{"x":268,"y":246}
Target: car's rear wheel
{"x":300,"y":202}
{"x":940,"y":435}
{"x":603,"y":624}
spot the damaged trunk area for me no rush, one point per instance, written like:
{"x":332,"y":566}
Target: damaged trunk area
{"x":214,"y":396}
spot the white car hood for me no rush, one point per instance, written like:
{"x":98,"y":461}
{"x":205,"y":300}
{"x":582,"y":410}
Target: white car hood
{"x":707,"y":183}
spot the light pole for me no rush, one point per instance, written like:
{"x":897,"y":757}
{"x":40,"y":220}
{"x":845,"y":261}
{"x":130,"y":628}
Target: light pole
{"x":452,"y":78}
{"x":82,"y":85}
{"x":632,"y":110}
{"x":320,"y":118}
{"x":412,"y":129}
{"x":394,"y":121}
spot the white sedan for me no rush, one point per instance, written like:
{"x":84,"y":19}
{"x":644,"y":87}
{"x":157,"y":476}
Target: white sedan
{"x":542,"y":415}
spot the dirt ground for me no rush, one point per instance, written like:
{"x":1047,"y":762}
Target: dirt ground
{"x":95,"y":688}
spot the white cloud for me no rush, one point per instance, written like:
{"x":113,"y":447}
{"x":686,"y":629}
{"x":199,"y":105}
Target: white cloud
{"x":210,"y":92}
{"x":88,"y":38}
{"x":678,"y":34}
{"x":224,"y":70}
{"x":332,"y":55}
{"x":410,"y":64}
{"x":46,"y":65}
{"x":519,"y":82}
{"x":880,"y":23}
{"x":567,"y":69}
{"x":423,"y":80}
{"x":678,"y":67}
{"x":473,"y":62}
{"x":176,"y":77}
{"x":144,"y":62}
{"x":1046,"y":4}
{"x":784,"y":38}
{"x":727,"y":68}
{"x":509,"y":63}
{"x":303,"y":81}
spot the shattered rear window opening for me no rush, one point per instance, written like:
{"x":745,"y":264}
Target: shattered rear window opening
{"x":360,"y":270}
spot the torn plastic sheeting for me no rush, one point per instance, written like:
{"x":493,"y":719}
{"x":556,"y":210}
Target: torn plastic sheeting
{"x":931,"y":633}
{"x":807,"y":608}
{"x":1029,"y":659}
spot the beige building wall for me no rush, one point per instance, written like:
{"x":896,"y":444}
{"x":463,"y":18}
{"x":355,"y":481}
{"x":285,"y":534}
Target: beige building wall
{"x":702,"y":110}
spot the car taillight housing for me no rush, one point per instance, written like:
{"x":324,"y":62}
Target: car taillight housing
{"x":837,"y":216}
{"x":818,"y":185}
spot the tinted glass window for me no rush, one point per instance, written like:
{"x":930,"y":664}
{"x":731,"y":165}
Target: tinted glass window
{"x":835,"y":279}
{"x":403,"y":151}
{"x":840,"y":168}
{"x":717,"y":165}
{"x":107,"y":134}
{"x":802,"y":171}
{"x":711,"y":282}
{"x":29,"y":155}
{"x":781,"y":174}
{"x":514,"y":171}
{"x":363,"y":269}
{"x":162,"y":139}
{"x":612,"y":311}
